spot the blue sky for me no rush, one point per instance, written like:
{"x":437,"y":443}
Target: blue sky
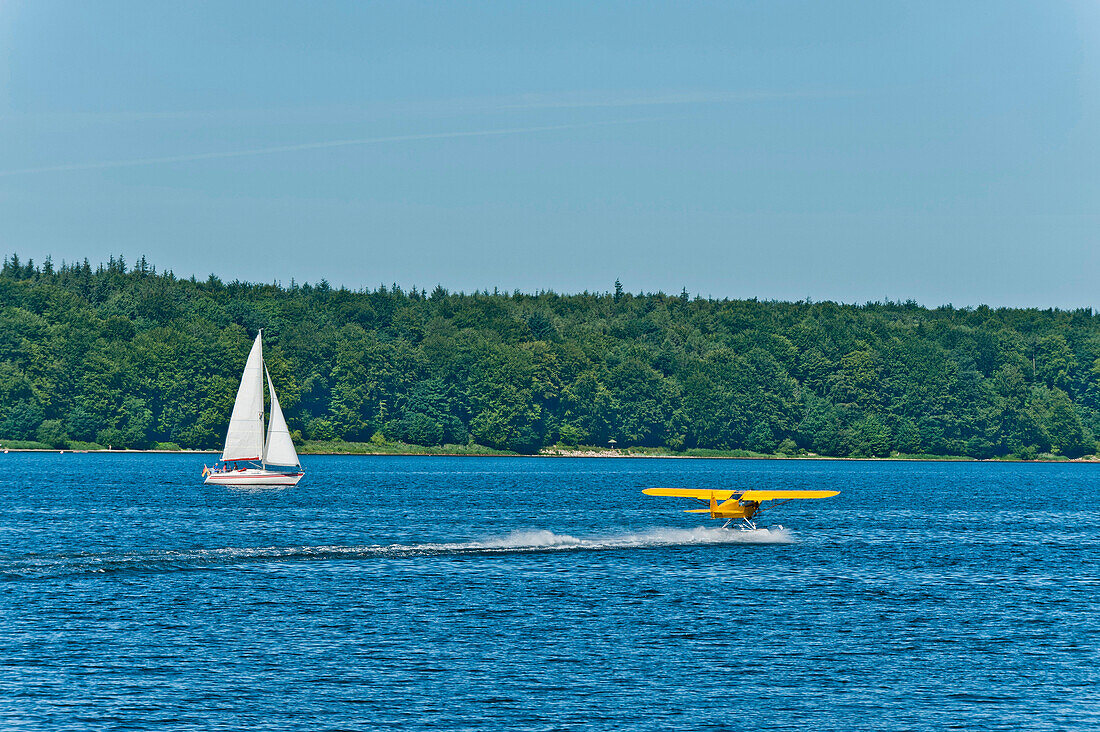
{"x":944,"y":152}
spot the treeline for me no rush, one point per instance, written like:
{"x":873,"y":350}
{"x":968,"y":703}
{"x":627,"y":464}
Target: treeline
{"x":126,"y":356}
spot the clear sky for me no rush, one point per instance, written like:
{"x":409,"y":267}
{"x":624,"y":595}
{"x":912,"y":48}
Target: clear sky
{"x":947,"y":152}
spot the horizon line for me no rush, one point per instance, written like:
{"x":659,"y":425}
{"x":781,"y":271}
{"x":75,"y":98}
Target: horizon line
{"x":500,"y":292}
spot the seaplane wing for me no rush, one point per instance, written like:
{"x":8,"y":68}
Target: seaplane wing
{"x":730,"y":504}
{"x":703,"y":494}
{"x":785,"y":495}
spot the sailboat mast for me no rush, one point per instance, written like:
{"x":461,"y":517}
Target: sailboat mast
{"x":263,"y":448}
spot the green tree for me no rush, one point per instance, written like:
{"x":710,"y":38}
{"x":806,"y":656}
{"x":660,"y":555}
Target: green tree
{"x":52,"y":433}
{"x":21,"y":420}
{"x":416,"y":428}
{"x":1054,"y":361}
{"x":762,"y":439}
{"x":135,"y":357}
{"x":1063,"y":426}
{"x":510,"y":422}
{"x":819,"y":430}
{"x":870,"y":438}
{"x":82,"y":425}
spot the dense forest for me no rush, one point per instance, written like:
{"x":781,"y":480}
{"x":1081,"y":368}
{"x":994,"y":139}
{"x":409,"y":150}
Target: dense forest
{"x":126,"y":356}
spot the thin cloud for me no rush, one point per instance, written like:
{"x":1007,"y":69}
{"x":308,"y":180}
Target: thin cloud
{"x":586,"y":99}
{"x":592,"y":100}
{"x":195,"y":157}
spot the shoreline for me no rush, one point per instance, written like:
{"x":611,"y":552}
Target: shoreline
{"x":576,"y":453}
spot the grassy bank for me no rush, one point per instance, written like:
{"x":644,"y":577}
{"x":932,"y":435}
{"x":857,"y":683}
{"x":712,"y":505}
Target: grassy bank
{"x":587,"y":451}
{"x":341,"y":447}
{"x":35,"y":445}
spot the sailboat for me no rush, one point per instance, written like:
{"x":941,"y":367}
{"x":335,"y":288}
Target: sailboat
{"x":247,"y":456}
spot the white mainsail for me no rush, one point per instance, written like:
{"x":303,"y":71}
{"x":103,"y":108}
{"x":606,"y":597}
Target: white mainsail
{"x":280,"y":448}
{"x":245,"y":438}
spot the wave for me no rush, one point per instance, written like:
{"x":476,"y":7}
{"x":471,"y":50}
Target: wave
{"x":167,"y":560}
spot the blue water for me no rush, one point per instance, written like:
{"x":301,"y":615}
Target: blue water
{"x":546,"y":594}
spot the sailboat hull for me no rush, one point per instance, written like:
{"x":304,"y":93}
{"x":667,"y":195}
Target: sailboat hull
{"x":254,"y":477}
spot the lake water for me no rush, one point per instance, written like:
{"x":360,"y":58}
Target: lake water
{"x":438,"y":593}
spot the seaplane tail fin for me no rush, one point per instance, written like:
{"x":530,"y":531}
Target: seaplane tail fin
{"x":759,"y":496}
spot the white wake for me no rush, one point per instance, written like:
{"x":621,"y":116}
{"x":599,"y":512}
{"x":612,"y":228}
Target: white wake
{"x":663,"y":537}
{"x":154,"y":560}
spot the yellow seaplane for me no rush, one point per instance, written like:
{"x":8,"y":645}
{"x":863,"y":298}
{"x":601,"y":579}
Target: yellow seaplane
{"x":732,"y":505}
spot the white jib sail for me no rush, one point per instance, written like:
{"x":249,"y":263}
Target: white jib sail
{"x":280,"y":448}
{"x":245,"y":438}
